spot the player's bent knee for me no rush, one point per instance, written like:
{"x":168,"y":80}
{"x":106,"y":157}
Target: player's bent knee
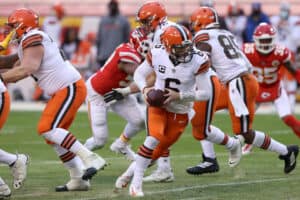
{"x":198,"y":134}
{"x":249,"y":136}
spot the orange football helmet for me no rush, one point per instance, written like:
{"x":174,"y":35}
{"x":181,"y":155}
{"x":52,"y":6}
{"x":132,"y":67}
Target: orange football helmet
{"x":22,"y":20}
{"x":204,"y":17}
{"x":151,"y":14}
{"x":59,"y":10}
{"x":178,"y":42}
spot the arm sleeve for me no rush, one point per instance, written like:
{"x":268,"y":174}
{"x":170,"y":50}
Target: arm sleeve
{"x":203,"y":91}
{"x":141,"y":73}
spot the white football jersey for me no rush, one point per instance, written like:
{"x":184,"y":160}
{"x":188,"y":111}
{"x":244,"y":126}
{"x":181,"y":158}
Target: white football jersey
{"x":160,"y":29}
{"x":180,"y":78}
{"x":54,"y":72}
{"x":2,"y":87}
{"x":227,"y":58}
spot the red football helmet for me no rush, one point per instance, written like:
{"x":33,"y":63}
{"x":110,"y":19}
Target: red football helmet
{"x":178,"y":42}
{"x":23,"y":20}
{"x":204,"y":17}
{"x":138,"y":38}
{"x":264,"y":38}
{"x":151,"y":14}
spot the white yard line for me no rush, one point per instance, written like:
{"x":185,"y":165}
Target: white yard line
{"x":181,"y":189}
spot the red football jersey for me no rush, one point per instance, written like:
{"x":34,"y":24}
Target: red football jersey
{"x":110,"y":76}
{"x":266,"y":69}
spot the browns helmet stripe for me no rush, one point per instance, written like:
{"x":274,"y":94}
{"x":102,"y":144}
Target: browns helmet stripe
{"x":182,"y":32}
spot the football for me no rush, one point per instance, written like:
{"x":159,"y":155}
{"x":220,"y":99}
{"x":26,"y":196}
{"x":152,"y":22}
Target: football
{"x":156,"y":98}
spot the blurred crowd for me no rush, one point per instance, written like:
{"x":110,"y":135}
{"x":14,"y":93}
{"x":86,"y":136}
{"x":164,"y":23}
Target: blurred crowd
{"x":89,"y":53}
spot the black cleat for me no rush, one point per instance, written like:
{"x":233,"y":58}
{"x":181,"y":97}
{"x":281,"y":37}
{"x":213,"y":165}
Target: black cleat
{"x":89,"y":173}
{"x":61,"y":188}
{"x":290,"y":160}
{"x":208,"y":165}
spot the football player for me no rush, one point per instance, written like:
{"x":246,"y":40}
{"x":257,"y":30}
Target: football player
{"x":17,"y":162}
{"x":241,"y":87}
{"x":110,"y":88}
{"x":152,"y":16}
{"x":267,"y":59}
{"x":179,"y":69}
{"x":40,"y":58}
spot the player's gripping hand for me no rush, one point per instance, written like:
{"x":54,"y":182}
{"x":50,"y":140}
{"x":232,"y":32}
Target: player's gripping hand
{"x":4,"y":44}
{"x":116,"y":94}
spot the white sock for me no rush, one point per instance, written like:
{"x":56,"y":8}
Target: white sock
{"x":208,"y":149}
{"x":217,"y":136}
{"x":65,"y":139}
{"x":142,"y":164}
{"x":75,"y":165}
{"x":130,"y":170}
{"x":274,"y":146}
{"x":7,"y":158}
{"x":131,"y":130}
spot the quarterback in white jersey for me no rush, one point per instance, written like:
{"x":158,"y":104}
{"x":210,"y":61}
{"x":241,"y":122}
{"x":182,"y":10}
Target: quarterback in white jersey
{"x":152,"y":17}
{"x":240,"y":86}
{"x":183,"y":74}
{"x":40,"y":58}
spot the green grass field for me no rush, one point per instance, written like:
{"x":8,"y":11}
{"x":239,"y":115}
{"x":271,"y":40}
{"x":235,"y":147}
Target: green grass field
{"x":258,"y":177}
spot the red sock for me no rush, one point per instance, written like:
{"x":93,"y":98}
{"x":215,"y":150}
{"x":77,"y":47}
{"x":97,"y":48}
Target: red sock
{"x":292,"y":122}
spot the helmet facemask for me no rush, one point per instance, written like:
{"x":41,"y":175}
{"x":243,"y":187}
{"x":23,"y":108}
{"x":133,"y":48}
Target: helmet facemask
{"x":147,"y":24}
{"x":139,"y":41}
{"x":265,"y":44}
{"x":182,"y":53}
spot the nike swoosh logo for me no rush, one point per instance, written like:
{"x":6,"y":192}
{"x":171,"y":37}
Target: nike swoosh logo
{"x":292,"y":159}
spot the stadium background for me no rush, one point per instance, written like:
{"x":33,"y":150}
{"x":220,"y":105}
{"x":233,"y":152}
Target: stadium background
{"x":85,"y":16}
{"x":259,"y":176}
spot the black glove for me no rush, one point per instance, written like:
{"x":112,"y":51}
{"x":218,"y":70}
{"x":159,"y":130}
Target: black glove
{"x":113,"y":96}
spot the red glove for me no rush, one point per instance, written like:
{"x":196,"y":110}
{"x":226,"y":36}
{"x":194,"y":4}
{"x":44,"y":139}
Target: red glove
{"x":297,"y":76}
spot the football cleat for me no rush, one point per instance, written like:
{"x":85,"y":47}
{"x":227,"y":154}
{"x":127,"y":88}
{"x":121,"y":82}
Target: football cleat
{"x":290,"y":160}
{"x":118,"y":146}
{"x":93,"y":163}
{"x":247,"y":149}
{"x":135,"y":191}
{"x":122,"y":182}
{"x":208,"y":165}
{"x":235,"y":153}
{"x":5,"y":191}
{"x":160,"y":176}
{"x":19,"y":170}
{"x":74,"y":185}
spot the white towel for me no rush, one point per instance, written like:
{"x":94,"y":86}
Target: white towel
{"x":236,"y":99}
